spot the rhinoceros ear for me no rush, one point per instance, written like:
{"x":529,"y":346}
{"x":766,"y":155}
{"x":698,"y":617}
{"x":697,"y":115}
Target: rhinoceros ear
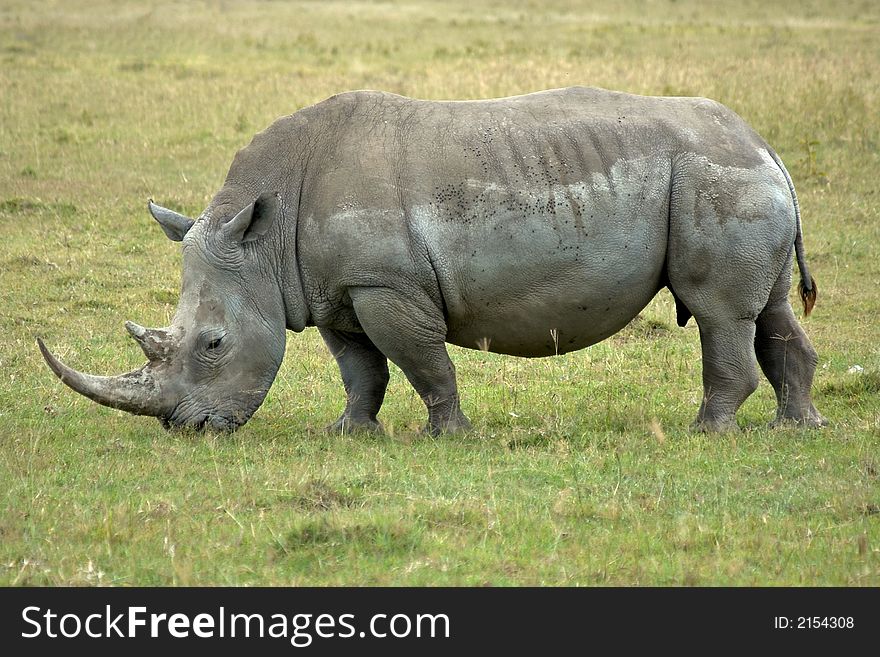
{"x":175,"y":225}
{"x":254,"y":220}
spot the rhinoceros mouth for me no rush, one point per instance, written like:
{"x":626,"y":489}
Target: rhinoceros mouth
{"x":221,"y":416}
{"x":202,"y":422}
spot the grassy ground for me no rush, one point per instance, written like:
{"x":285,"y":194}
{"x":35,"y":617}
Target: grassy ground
{"x":580,"y":470}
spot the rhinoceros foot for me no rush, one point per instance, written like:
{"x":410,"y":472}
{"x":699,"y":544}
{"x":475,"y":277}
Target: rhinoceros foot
{"x":810,"y":420}
{"x":457,"y":424}
{"x":714,"y":425}
{"x":347,"y":424}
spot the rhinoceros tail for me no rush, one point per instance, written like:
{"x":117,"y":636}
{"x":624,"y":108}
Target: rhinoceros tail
{"x":807,"y":287}
{"x":808,"y":295}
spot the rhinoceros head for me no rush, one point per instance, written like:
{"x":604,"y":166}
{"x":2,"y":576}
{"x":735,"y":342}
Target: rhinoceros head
{"x":213,"y":366}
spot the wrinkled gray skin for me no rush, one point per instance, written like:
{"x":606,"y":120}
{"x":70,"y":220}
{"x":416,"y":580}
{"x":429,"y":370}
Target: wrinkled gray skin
{"x":529,"y":226}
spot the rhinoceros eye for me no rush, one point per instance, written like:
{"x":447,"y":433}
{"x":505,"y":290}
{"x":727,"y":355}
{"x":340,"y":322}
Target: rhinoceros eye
{"x":212,"y":339}
{"x":211,"y":342}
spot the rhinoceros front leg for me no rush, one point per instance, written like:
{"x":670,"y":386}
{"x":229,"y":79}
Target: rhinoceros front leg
{"x":364,"y":371}
{"x":410,"y":330}
{"x":729,"y":372}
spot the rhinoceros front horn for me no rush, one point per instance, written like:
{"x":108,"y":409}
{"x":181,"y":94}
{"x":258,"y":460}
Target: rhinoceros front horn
{"x":136,"y":392}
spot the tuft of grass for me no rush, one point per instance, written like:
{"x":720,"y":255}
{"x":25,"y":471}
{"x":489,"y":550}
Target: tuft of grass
{"x":855,"y":386}
{"x":26,"y":206}
{"x":319,"y":495}
{"x":360,"y":538}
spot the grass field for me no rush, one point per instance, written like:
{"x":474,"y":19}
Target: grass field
{"x":580,"y":470}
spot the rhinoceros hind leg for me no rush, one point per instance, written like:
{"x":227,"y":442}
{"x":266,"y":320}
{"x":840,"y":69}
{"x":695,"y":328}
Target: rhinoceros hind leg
{"x":412,"y":333}
{"x":729,"y":373}
{"x":789,"y":362}
{"x":364,"y":371}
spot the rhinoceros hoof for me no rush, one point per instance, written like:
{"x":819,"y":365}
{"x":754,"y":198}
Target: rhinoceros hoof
{"x":454,"y":426}
{"x":347,"y":424}
{"x":712,"y":425}
{"x":811,"y":421}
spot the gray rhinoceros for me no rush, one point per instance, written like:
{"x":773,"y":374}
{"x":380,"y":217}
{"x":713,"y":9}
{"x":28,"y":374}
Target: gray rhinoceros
{"x":531,"y":225}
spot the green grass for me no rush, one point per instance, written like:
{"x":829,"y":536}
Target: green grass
{"x":580,"y":470}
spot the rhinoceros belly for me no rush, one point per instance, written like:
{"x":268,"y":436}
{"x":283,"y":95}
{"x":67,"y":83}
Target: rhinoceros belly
{"x":555,"y":272}
{"x":516,"y":310}
{"x":546,"y":324}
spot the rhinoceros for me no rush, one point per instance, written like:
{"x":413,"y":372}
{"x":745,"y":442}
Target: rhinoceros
{"x":532,"y":225}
